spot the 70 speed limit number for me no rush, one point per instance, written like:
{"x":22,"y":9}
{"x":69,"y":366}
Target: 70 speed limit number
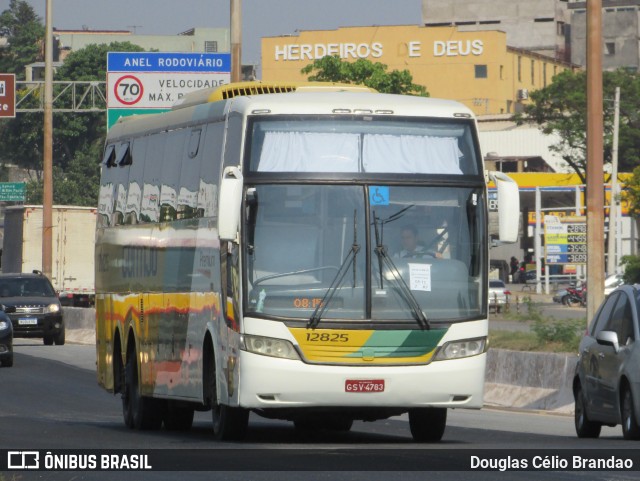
{"x":128,"y":90}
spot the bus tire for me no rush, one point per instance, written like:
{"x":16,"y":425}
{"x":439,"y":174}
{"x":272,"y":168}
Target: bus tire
{"x":139,"y":412}
{"x":427,"y":424}
{"x":178,"y":418}
{"x":229,"y":423}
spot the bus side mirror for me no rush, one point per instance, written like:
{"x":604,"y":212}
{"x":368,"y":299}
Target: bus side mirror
{"x":229,"y":204}
{"x":508,"y":207}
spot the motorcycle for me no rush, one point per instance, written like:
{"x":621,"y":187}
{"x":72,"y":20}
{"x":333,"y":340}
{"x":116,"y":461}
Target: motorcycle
{"x":575,"y":296}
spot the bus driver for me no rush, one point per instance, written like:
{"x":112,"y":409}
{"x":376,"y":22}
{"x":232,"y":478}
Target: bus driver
{"x":411,"y":248}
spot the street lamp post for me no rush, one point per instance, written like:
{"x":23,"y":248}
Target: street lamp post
{"x":595,"y":195}
{"x":236,"y":40}
{"x":47,"y":161}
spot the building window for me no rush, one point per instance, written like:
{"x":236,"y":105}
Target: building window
{"x":210,"y":46}
{"x":544,"y":74}
{"x":533,"y":72}
{"x":481,"y":71}
{"x":609,"y":48}
{"x":560,"y":28}
{"x":501,"y":72}
{"x":519,"y":68}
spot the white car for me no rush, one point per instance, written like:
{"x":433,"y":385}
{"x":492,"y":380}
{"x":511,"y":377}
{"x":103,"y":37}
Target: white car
{"x":611,"y":282}
{"x":498,"y":294}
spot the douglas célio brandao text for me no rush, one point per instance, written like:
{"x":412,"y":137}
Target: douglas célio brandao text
{"x":551,"y":462}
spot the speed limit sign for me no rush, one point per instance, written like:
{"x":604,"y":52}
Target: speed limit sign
{"x":128,"y":90}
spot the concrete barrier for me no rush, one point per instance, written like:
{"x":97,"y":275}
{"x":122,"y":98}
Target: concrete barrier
{"x":80,"y":325}
{"x":514,"y":379}
{"x":79,"y":317}
{"x":530,"y":380}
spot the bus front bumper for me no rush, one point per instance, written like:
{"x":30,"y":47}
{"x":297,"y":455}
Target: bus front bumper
{"x":267,"y":382}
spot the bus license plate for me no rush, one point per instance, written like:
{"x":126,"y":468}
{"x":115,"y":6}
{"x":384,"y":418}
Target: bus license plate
{"x":28,"y":322}
{"x":364,"y":385}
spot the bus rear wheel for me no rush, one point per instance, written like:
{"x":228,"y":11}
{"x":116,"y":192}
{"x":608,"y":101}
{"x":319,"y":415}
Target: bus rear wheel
{"x":139,"y":412}
{"x":427,"y":424}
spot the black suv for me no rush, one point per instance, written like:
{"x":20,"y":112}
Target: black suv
{"x":37,"y":308}
{"x":6,"y":338}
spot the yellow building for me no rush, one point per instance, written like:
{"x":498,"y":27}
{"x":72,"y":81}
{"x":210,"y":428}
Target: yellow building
{"x":475,"y":68}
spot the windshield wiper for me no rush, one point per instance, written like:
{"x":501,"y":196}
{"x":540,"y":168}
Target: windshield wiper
{"x":380,"y":232}
{"x":337,"y":280}
{"x":385,"y":261}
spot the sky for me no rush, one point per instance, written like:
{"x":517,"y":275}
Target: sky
{"x":260,"y":18}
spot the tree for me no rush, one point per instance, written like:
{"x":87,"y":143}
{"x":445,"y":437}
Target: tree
{"x":363,"y":72}
{"x":561,"y":108}
{"x":79,"y":184}
{"x":24,"y":32}
{"x":631,"y":265}
{"x":631,"y":193}
{"x":75,"y":135}
{"x":73,"y":131}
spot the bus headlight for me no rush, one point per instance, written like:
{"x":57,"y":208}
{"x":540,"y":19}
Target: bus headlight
{"x":268,"y":346}
{"x":459,"y":349}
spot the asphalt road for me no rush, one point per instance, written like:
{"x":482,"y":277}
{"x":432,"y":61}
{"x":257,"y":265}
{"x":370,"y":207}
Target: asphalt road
{"x":50,"y":400}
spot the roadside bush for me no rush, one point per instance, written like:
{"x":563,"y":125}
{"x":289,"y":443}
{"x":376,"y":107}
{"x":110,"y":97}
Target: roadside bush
{"x":524,"y":309}
{"x":551,"y":330}
{"x":547,"y":334}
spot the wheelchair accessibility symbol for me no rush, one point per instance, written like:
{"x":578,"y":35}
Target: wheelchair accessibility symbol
{"x":379,"y":195}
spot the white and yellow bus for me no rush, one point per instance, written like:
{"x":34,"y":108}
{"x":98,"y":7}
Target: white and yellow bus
{"x":310,"y":253}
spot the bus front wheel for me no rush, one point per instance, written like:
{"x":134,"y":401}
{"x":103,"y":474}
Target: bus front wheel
{"x":229,"y":423}
{"x":427,"y":424}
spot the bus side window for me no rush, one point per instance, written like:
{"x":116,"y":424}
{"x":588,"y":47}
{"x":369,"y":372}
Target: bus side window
{"x":171,"y":166}
{"x":105,"y":197}
{"x":210,"y":169}
{"x":233,"y":144}
{"x":136,"y":173}
{"x":190,"y":177}
{"x":121,"y":182}
{"x":150,"y":206}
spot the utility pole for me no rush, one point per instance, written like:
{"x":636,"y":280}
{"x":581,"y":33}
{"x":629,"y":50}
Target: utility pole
{"x":236,"y":40}
{"x":613,"y":205}
{"x":595,"y":185}
{"x":47,"y":154}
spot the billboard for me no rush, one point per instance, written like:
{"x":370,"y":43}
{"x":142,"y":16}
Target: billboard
{"x":7,"y":95}
{"x":565,"y":240}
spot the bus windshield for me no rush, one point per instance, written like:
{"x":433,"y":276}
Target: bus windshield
{"x":379,"y":249}
{"x":365,"y":145}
